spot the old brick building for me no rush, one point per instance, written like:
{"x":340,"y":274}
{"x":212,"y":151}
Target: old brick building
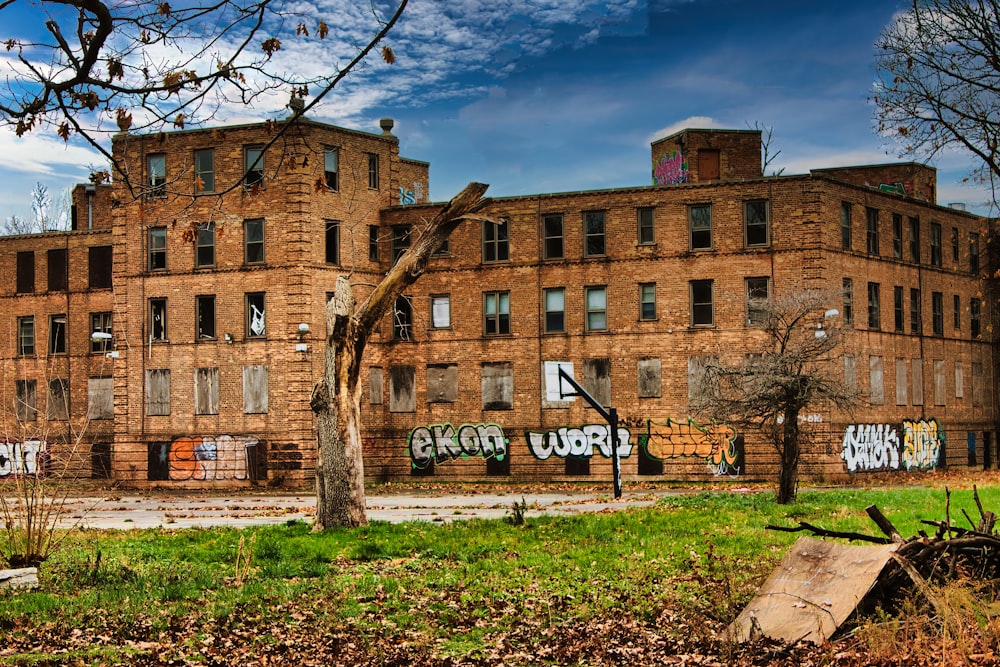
{"x":212,"y":273}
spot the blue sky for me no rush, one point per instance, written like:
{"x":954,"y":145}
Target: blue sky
{"x":558,"y":95}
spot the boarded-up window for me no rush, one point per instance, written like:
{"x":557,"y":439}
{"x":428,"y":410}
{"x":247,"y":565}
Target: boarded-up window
{"x":708,"y":164}
{"x":26,"y":401}
{"x":99,"y":267}
{"x":959,"y":380}
{"x":850,"y":372}
{"x":877,"y":380}
{"x":940,"y":384}
{"x":58,"y":270}
{"x":901,"y":382}
{"x":402,"y":389}
{"x":597,"y":379}
{"x":375,"y":378}
{"x":206,"y":391}
{"x":498,"y":386}
{"x":101,"y":398}
{"x":917,"y":374}
{"x":696,"y":371}
{"x":57,"y":406}
{"x":442,"y":383}
{"x":25,"y":272}
{"x":255,"y":389}
{"x":158,"y":391}
{"x":650,"y":378}
{"x":100,"y":460}
{"x":977,"y":383}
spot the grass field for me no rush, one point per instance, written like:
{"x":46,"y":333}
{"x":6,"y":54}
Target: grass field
{"x":590,"y":589}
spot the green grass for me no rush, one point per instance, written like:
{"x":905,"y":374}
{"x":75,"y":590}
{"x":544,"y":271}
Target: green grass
{"x":446,"y":590}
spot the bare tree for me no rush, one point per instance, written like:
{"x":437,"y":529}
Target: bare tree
{"x":340,"y":494}
{"x":15,"y":224}
{"x":938,"y":80}
{"x":769,"y":155}
{"x":770,"y":388}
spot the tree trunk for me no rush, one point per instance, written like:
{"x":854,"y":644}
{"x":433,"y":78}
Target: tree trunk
{"x":336,"y":400}
{"x":788,"y":476}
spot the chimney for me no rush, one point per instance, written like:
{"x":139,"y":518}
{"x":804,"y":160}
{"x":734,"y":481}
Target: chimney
{"x":386,"y":124}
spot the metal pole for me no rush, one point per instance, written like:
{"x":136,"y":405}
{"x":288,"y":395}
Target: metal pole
{"x":616,"y":466}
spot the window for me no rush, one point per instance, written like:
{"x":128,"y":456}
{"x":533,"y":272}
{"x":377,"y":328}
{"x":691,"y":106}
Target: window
{"x":256,"y":324}
{"x":441,"y":311}
{"x":973,"y":252}
{"x":597,"y":308}
{"x":897,"y":308}
{"x":649,"y":377}
{"x":57,"y":334}
{"x":496,"y":312}
{"x":555,"y":310}
{"x":157,"y":248}
{"x":871,"y":216}
{"x":157,"y":165}
{"x":846,"y":239}
{"x":204,"y":170}
{"x":255,"y":390}
{"x":253,"y":166}
{"x":702,"y":310}
{"x":206,"y":391}
{"x":25,"y":272}
{"x":332,"y":241}
{"x":331,"y":157}
{"x":897,"y":235}
{"x":25,"y":400}
{"x":158,"y":319}
{"x":373,"y":171}
{"x":205,"y":317}
{"x":552,"y":228}
{"x":593,"y":233}
{"x":915,"y":240}
{"x":848,"y":301}
{"x":402,"y":389}
{"x":99,"y":260}
{"x":158,"y":392}
{"x":400,"y":241}
{"x":700,"y":222}
{"x":497,"y":385}
{"x":758,"y":294}
{"x":644,"y":217}
{"x":496,"y":244}
{"x":916,"y":317}
{"x":57,"y":406}
{"x":935,"y":244}
{"x":647,"y":301}
{"x":957,"y":308}
{"x":902,"y":382}
{"x":937,"y":313}
{"x":253,"y":241}
{"x":876,"y":380}
{"x":205,"y":245}
{"x":975,"y":317}
{"x":954,"y":244}
{"x":58,"y":269}
{"x":873,"y":306}
{"x":442,"y":383}
{"x":756,"y":227}
{"x":917,"y":377}
{"x":372,"y":243}
{"x":26,"y":336}
{"x":101,"y":323}
{"x":402,"y":319}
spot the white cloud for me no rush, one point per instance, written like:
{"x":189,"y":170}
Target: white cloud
{"x":45,"y":156}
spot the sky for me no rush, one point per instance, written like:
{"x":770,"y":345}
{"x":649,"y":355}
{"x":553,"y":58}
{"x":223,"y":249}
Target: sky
{"x":537,"y":96}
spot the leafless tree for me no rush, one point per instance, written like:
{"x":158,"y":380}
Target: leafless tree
{"x":938,"y":80}
{"x":769,"y":155}
{"x":770,"y":388}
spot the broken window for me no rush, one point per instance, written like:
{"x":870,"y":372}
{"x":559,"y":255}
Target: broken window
{"x":758,"y":297}
{"x":872,"y":242}
{"x":158,"y":319}
{"x":256,"y":322}
{"x":57,"y":334}
{"x":402,"y":389}
{"x":441,"y":311}
{"x":101,"y":398}
{"x":255,"y":395}
{"x":25,"y":400}
{"x":205,"y":316}
{"x":157,"y":165}
{"x":100,"y":323}
{"x":158,"y":391}
{"x":58,"y":403}
{"x":206,"y":391}
{"x":498,"y":385}
{"x":332,"y":242}
{"x":373,"y":243}
{"x":400,"y":241}
{"x":253,"y":166}
{"x":402,"y":319}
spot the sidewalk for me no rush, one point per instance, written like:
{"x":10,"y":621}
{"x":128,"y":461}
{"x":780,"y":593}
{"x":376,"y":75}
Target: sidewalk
{"x":241,"y":510}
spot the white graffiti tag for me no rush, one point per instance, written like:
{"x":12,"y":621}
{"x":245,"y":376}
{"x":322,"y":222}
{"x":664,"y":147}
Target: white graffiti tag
{"x":20,"y":458}
{"x":578,"y":442}
{"x":871,"y":447}
{"x":441,"y":443}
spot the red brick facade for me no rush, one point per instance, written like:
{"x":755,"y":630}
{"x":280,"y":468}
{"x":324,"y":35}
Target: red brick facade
{"x":220,"y":286}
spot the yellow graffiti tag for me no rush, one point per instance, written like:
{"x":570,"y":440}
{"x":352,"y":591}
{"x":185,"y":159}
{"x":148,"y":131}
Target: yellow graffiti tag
{"x":676,"y":439}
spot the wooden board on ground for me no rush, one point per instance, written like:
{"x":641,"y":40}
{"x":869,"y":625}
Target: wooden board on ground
{"x":25,"y":577}
{"x":813,"y":591}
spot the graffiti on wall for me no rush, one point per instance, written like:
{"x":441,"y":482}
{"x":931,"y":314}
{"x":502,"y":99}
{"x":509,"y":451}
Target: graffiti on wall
{"x":671,"y":169}
{"x":440,"y":443}
{"x":873,"y":447}
{"x":407,"y":197}
{"x":204,"y":458}
{"x":22,"y":457}
{"x":715,"y":443}
{"x":578,"y":443}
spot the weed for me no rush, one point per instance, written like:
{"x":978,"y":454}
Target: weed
{"x":516,"y":516}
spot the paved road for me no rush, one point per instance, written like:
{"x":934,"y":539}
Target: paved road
{"x":240,"y":510}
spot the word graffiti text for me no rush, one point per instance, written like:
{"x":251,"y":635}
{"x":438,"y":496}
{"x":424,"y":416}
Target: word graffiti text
{"x":442,"y":442}
{"x":578,"y":442}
